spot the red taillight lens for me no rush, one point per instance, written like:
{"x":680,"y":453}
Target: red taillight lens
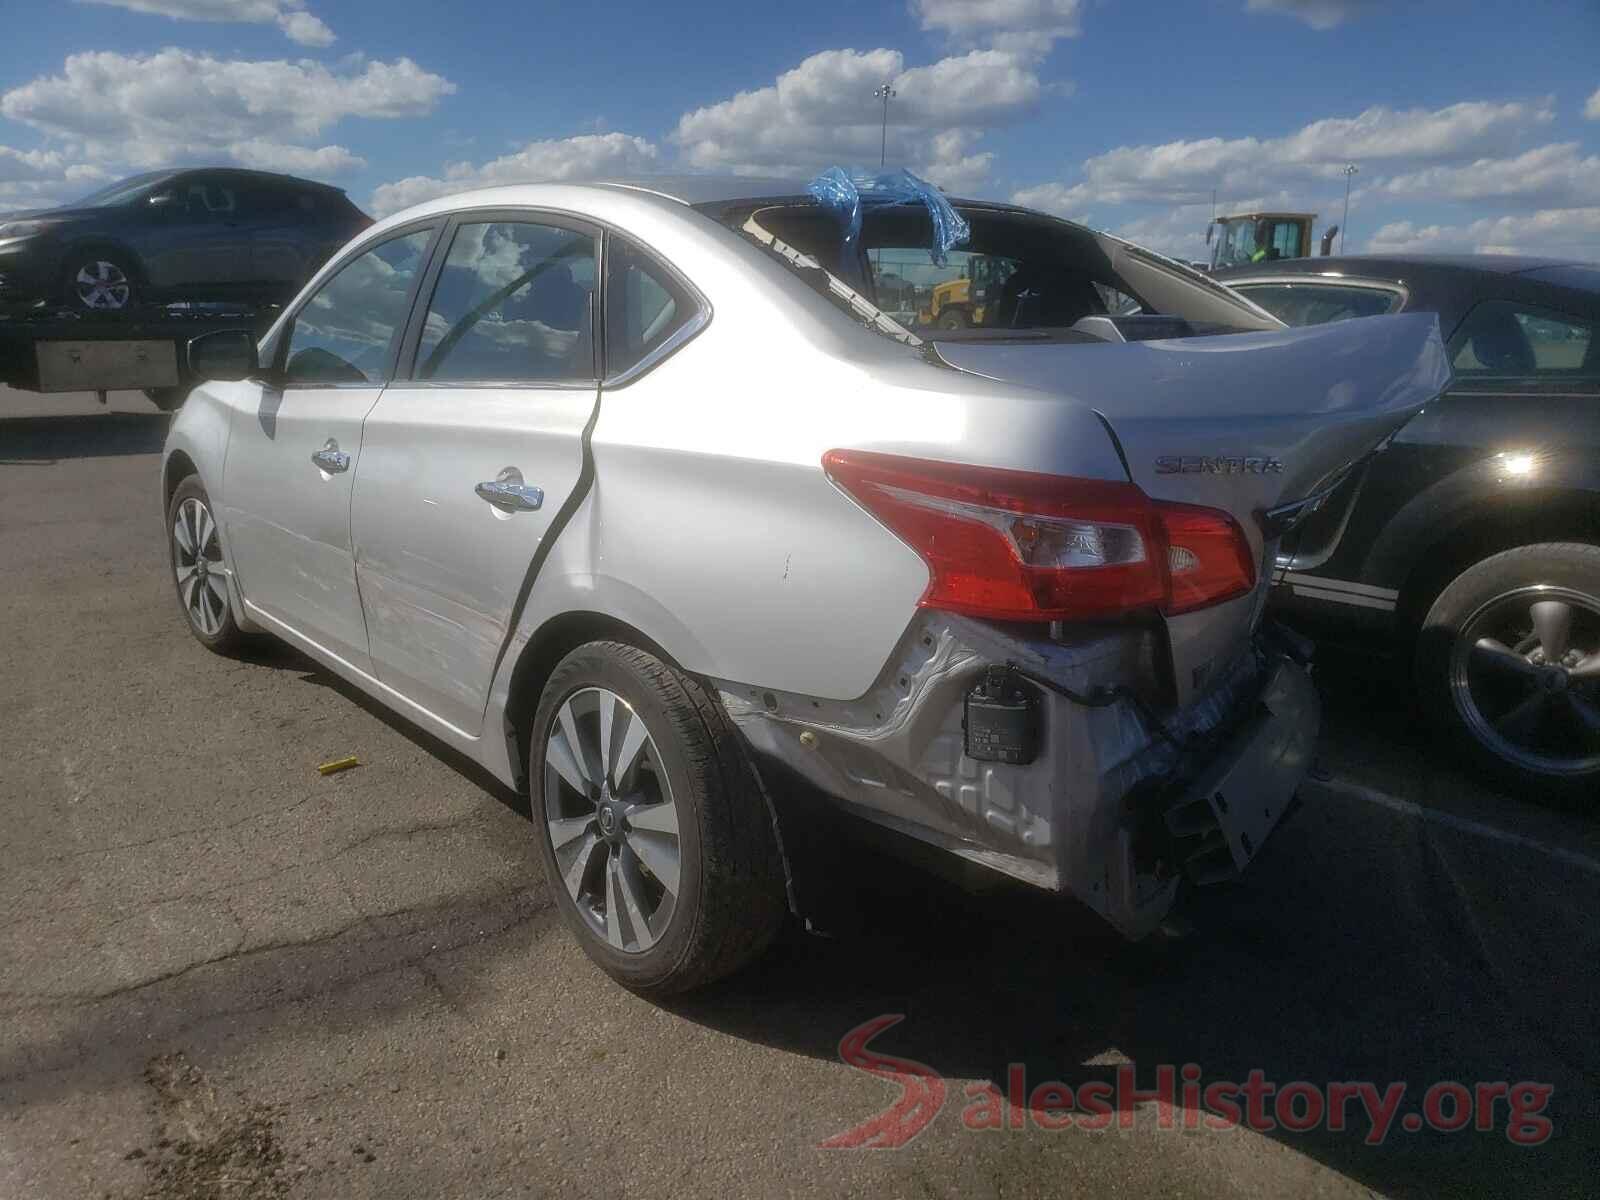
{"x":1208,"y":559}
{"x":1020,"y":546}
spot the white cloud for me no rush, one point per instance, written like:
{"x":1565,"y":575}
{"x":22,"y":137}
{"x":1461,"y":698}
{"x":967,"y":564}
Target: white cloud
{"x":823,"y":112}
{"x":952,"y":166}
{"x":289,"y":15}
{"x":154,"y":109}
{"x":1558,"y":231}
{"x":1028,"y":27}
{"x":40,"y":178}
{"x":1319,"y":14}
{"x":266,"y":155}
{"x":585,"y":157}
{"x":1187,"y":171}
{"x":1592,"y":108}
{"x":1550,"y":176}
{"x":305,"y":29}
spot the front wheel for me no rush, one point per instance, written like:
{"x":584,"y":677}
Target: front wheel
{"x":194,"y":542}
{"x":953,"y":319}
{"x":1509,"y":663}
{"x":655,"y":834}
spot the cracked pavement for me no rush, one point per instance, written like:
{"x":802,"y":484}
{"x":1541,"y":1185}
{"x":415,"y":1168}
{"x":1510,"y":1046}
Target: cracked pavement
{"x":222,"y":973}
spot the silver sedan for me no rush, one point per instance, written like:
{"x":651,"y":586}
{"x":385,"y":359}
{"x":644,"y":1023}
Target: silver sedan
{"x":633,"y":494}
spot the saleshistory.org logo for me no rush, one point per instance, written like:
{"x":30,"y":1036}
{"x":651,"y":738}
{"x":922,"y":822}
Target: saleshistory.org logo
{"x":1220,"y":464}
{"x":1183,"y":1099}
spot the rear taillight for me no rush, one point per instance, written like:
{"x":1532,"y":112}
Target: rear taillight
{"x":1020,"y":546}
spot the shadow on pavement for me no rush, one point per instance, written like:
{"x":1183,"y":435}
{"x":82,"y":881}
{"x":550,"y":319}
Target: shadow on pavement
{"x":1359,"y":947}
{"x":1356,"y":949}
{"x":44,"y":440}
{"x":270,"y":652}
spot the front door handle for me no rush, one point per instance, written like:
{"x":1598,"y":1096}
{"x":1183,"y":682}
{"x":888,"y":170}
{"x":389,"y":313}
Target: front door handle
{"x":508,"y":493}
{"x":331,"y":459}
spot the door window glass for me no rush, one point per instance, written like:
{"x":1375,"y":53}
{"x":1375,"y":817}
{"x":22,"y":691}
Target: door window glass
{"x":512,"y":305}
{"x":1318,"y":304}
{"x":345,"y":333}
{"x":1502,"y":338}
{"x":209,"y":200}
{"x":645,"y":305}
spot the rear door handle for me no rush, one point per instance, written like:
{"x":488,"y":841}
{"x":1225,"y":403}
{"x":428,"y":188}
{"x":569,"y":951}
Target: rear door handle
{"x":331,"y":459}
{"x":509,"y":494}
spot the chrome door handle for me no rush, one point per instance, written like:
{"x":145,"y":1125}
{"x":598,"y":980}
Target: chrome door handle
{"x":511,"y":497}
{"x":331,"y":459}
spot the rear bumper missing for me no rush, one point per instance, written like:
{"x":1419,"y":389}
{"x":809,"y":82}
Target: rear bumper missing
{"x":1109,"y":810}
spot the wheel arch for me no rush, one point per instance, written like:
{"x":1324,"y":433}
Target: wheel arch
{"x":1490,"y":526}
{"x":178,"y":467}
{"x":548,"y":645}
{"x":108,"y":243}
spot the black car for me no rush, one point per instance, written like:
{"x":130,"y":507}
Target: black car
{"x":189,"y":235}
{"x":1475,"y":536}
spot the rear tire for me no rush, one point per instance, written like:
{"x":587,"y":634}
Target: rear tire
{"x":953,"y":319}
{"x":167,"y":399}
{"x":711,"y":895}
{"x":1486,"y":676}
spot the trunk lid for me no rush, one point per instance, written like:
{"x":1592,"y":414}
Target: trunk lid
{"x":1245,"y":422}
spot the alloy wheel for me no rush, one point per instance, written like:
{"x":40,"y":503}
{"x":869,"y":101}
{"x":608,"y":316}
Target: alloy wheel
{"x":612,"y":819}
{"x":197,"y":561}
{"x":1525,"y":677}
{"x":102,"y":284}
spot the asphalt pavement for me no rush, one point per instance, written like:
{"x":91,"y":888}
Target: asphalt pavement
{"x":224,"y":974}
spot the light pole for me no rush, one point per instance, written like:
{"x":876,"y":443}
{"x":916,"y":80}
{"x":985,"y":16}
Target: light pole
{"x":884,"y":92}
{"x":1344,"y":228}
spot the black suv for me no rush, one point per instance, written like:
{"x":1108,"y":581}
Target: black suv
{"x":1475,"y":536}
{"x":194,"y":235}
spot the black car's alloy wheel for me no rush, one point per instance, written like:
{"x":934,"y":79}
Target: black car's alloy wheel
{"x":99,"y":282}
{"x":1510,"y":658}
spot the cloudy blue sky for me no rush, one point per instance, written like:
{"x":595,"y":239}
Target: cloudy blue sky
{"x":1475,"y":125}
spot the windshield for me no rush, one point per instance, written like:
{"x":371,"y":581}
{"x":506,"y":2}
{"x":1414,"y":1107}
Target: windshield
{"x":1246,"y":240}
{"x":121,"y":193}
{"x":1236,"y":243}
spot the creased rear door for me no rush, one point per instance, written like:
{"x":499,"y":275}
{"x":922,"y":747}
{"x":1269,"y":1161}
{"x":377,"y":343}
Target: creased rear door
{"x":466,"y":465}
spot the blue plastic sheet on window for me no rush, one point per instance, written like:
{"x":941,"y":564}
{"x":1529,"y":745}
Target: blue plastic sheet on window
{"x":846,"y":192}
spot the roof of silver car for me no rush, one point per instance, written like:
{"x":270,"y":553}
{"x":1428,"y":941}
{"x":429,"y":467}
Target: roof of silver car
{"x":710,"y":189}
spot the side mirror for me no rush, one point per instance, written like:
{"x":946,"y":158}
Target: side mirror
{"x":224,"y":356}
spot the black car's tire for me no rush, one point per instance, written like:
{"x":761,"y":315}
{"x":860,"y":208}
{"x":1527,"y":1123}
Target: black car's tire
{"x":1483,"y":679}
{"x":99,"y":281}
{"x":730,"y":897}
{"x":167,"y":399}
{"x":202,"y":592}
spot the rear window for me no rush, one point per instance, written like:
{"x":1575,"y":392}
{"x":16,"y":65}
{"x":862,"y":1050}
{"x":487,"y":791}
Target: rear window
{"x":1320,"y":303}
{"x":1017,"y":272}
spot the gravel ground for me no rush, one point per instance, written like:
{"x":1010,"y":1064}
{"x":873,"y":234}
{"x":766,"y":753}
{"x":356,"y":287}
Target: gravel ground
{"x":223,"y":974}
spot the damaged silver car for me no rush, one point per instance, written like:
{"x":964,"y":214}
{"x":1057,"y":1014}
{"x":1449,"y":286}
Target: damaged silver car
{"x":635,"y":494}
